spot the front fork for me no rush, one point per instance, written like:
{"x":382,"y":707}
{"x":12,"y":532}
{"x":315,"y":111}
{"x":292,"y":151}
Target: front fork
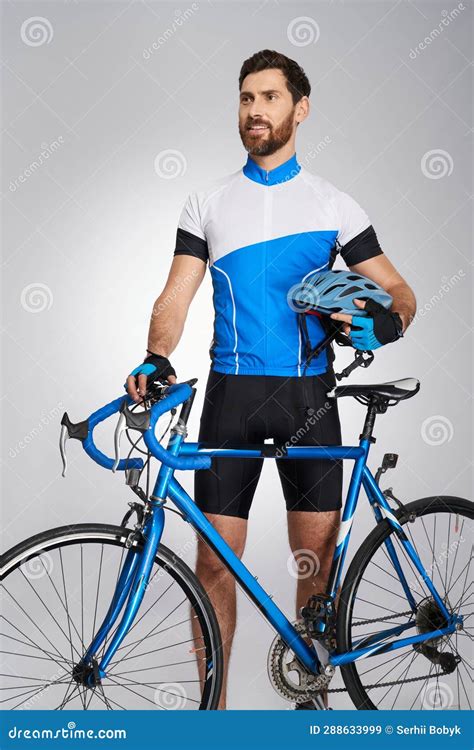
{"x":130,"y":588}
{"x":135,"y":574}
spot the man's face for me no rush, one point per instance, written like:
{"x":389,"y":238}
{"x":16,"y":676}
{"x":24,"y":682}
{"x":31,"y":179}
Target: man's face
{"x":267,"y":118}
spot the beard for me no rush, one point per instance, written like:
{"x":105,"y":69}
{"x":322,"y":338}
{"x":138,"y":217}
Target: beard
{"x":268,"y":141}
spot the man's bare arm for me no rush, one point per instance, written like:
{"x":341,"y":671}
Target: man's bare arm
{"x":383,"y":272}
{"x":169,"y":313}
{"x":171,"y":308}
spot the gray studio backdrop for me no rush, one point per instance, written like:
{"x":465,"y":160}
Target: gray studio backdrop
{"x":112,"y":113}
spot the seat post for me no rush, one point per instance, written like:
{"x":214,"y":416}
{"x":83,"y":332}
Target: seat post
{"x":369,"y":423}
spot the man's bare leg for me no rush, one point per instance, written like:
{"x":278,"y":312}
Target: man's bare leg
{"x":312,"y":538}
{"x":220,"y":587}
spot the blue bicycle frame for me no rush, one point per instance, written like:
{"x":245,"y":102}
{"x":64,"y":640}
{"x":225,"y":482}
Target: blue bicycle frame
{"x":179,"y":454}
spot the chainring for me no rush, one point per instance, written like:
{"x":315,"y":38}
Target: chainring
{"x":282,"y":664}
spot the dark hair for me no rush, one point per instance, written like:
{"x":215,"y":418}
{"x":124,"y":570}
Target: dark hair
{"x":296,"y":79}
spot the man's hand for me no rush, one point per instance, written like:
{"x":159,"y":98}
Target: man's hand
{"x":380,"y":327}
{"x":155,"y":367}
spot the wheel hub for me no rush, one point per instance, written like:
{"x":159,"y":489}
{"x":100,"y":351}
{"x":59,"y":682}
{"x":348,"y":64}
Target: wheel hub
{"x":429,"y":617}
{"x":87,"y":675}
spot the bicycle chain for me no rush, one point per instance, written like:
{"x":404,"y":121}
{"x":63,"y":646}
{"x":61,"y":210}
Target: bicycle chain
{"x":390,"y":684}
{"x":394,"y":682}
{"x":377,"y":619}
{"x":322,"y":681}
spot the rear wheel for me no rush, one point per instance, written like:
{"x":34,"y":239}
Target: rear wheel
{"x":439,"y":675}
{"x":57,"y":587}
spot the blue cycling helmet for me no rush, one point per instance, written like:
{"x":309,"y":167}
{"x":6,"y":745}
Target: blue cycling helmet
{"x":328,"y":292}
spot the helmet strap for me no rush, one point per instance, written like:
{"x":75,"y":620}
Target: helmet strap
{"x":333,"y":333}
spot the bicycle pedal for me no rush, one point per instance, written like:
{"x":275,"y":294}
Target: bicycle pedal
{"x":319,"y":617}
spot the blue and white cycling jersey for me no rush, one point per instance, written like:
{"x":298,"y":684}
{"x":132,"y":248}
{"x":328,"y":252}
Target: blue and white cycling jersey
{"x":263,"y":231}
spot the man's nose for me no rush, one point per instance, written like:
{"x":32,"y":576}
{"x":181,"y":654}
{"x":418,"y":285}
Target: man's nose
{"x":255,"y":110}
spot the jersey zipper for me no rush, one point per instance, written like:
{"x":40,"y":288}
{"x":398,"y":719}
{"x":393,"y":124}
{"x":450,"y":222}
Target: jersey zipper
{"x":267,"y":223}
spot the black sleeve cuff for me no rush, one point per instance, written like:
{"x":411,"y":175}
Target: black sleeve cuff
{"x":362,"y":247}
{"x":189,"y":244}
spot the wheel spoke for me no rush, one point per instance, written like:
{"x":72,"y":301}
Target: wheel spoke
{"x":372,"y":590}
{"x":53,"y":657}
{"x":97,"y":593}
{"x":147,"y":653}
{"x":151,"y":631}
{"x":75,"y":595}
{"x":157,"y":666}
{"x":158,"y":632}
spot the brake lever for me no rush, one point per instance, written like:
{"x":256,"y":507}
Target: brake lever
{"x":128,"y":420}
{"x":63,"y":436}
{"x":70,"y":430}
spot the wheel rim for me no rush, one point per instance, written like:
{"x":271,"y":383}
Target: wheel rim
{"x":55,"y":598}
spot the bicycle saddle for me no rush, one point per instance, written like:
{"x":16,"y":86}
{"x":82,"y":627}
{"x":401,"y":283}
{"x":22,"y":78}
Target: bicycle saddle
{"x":396,"y":390}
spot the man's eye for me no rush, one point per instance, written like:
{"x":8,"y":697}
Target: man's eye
{"x":272,"y":96}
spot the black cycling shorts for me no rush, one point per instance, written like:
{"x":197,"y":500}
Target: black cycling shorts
{"x":247,"y":409}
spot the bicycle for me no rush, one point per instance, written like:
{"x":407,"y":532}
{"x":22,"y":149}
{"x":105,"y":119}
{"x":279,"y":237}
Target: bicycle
{"x":402,"y":604}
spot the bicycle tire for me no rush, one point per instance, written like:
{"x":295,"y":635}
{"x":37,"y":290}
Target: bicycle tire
{"x":359,"y":563}
{"x":115,"y":535}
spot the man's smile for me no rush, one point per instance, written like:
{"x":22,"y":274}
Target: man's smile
{"x":256,"y":129}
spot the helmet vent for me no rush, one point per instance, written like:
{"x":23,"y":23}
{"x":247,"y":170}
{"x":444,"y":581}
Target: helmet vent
{"x":350,"y":290}
{"x":333,"y":287}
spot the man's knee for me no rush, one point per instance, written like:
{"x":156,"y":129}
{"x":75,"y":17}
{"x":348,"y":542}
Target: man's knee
{"x":316,"y":530}
{"x":233,"y":530}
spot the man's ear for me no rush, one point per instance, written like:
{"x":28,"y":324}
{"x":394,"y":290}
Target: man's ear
{"x":303,"y":106}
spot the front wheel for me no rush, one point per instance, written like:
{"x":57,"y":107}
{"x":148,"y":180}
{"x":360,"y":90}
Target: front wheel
{"x":439,"y":674}
{"x":57,"y":587}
